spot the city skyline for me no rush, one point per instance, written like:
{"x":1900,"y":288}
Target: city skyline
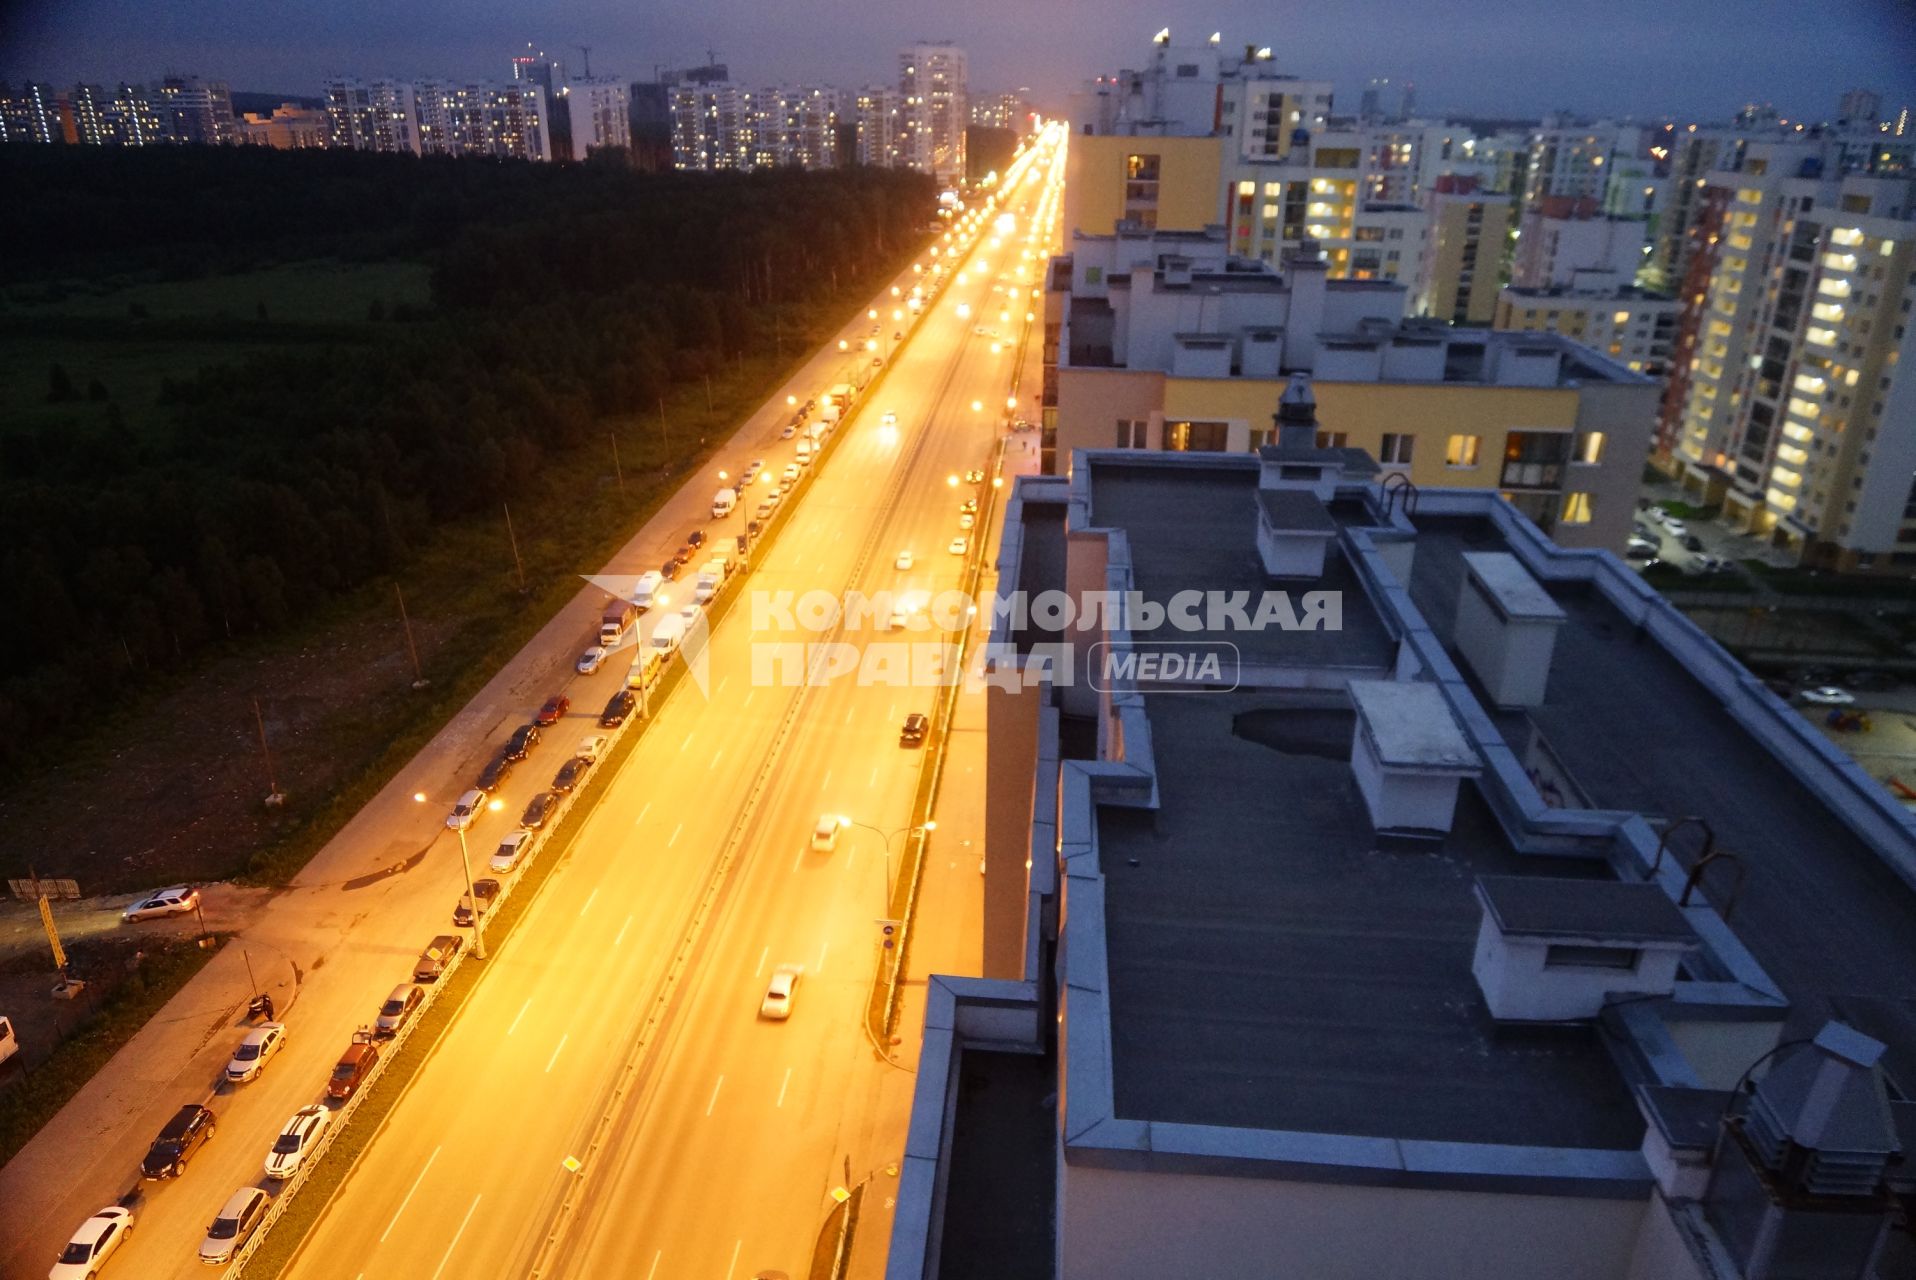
{"x":1639,"y":63}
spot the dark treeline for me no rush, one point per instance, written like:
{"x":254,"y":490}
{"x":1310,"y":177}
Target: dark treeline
{"x":560,"y":295}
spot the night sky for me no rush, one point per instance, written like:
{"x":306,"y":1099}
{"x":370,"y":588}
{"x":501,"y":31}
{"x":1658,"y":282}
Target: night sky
{"x":1489,"y":57}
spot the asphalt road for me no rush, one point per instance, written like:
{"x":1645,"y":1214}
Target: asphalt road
{"x":523,"y":1073}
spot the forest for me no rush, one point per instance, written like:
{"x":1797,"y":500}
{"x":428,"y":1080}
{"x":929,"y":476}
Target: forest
{"x":561,"y":297}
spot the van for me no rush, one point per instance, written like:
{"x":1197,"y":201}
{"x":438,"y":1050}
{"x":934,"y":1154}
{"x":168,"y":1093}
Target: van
{"x":644,"y":669}
{"x":708,"y":585}
{"x":353,"y":1067}
{"x":645,"y":593}
{"x":726,"y":500}
{"x":831,"y":414}
{"x":665,"y":638}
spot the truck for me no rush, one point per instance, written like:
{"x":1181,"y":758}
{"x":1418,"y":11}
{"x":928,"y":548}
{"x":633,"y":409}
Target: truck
{"x":646,"y":591}
{"x":840,"y":395}
{"x":617,"y":619}
{"x":724,"y":502}
{"x":666,"y":636}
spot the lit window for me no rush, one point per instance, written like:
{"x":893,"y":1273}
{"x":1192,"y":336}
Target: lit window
{"x":1590,"y":447}
{"x":1576,"y":508}
{"x":1461,"y":451}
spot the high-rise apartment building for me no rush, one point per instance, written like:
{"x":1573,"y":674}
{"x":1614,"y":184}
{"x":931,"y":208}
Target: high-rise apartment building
{"x":1462,"y":264}
{"x":599,"y":115}
{"x":502,"y":121}
{"x":1632,"y":326}
{"x":1573,"y":159}
{"x":932,"y":81}
{"x":711,"y":126}
{"x":374,"y":115}
{"x":29,"y":113}
{"x":1560,"y":236}
{"x":882,"y":132}
{"x":1002,"y":111}
{"x":197,"y":111}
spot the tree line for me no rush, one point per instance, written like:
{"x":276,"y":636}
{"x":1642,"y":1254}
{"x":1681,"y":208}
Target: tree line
{"x":559,"y":296}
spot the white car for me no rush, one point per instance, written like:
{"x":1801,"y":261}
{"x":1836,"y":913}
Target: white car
{"x":789,"y":431}
{"x":777,"y":1004}
{"x":510,"y":850}
{"x":591,"y":747}
{"x":260,"y":1044}
{"x":1674,"y":527}
{"x":688,"y":614}
{"x":176,"y":901}
{"x":591,"y":660}
{"x":904,"y":560}
{"x":790,"y":474}
{"x":1828,"y":695}
{"x":889,"y":420}
{"x":1642,"y":544}
{"x":296,"y":1140}
{"x":959,"y":546}
{"x":467,"y":810}
{"x":245,"y":1209}
{"x":967,"y":520}
{"x":96,"y":1241}
{"x":752,"y":469}
{"x":825,"y":833}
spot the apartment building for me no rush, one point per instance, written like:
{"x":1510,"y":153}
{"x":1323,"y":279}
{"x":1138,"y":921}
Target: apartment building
{"x":711,"y":126}
{"x":933,"y":82}
{"x":1559,"y":236}
{"x":1002,"y":111}
{"x":1464,"y":246}
{"x":794,"y":125}
{"x":1167,"y":342}
{"x":599,"y":115}
{"x":376,"y":115}
{"x":1632,"y":326}
{"x":1577,"y":160}
{"x":288,"y":127}
{"x":1381,"y":950}
{"x":195,"y":111}
{"x":880,"y":123}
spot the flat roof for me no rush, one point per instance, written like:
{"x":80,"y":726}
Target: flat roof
{"x":1273,"y":965}
{"x":1410,"y":725}
{"x":1511,"y":587}
{"x":1542,"y":907}
{"x":1295,"y":511}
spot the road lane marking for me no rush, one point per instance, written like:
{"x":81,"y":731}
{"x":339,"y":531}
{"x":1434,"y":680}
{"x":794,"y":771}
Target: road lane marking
{"x":874,"y":777}
{"x":761,"y":961}
{"x":415,"y":1186}
{"x":849,"y":714}
{"x":555,"y":1054}
{"x":653,"y":1270}
{"x":589,"y":900}
{"x":675,"y":835}
{"x":721,"y":687}
{"x":622,"y":928}
{"x":850,"y":859}
{"x":715,"y":1093}
{"x":823,"y":947}
{"x":455,"y":1238}
{"x":750,"y":696}
{"x":522,"y":1013}
{"x":785,"y":1086}
{"x":716,"y":757}
{"x":828,"y":779}
{"x":642,"y":812}
{"x":733,"y":1269}
{"x":798,"y":859}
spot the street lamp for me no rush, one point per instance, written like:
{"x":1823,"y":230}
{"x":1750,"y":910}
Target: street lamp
{"x":844,"y":821}
{"x":465,"y":861}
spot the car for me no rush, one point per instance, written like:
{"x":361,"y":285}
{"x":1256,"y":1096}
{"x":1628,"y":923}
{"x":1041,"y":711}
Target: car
{"x":190,"y":1129}
{"x":967,"y":520}
{"x":913,"y":734}
{"x":1639,"y":551}
{"x":897,"y":335}
{"x":539,"y":810}
{"x":398,"y":1009}
{"x":811,"y":403}
{"x":777,"y":1004}
{"x":296,"y":1141}
{"x":874,"y":331}
{"x":1827,"y":695}
{"x":974,"y":476}
{"x":244,"y":1210}
{"x":959,"y":546}
{"x":1692,"y":543}
{"x":766,"y":507}
{"x":1640,"y":541}
{"x":467,"y":810}
{"x":790,"y":473}
{"x":485,"y":891}
{"x":553,"y":710}
{"x":494,"y":775}
{"x":969,"y":507}
{"x":670,"y":569}
{"x":250,"y":1057}
{"x":785,"y":485}
{"x":591,"y":747}
{"x":789,"y":431}
{"x":1675,"y":527}
{"x":751,"y":471}
{"x":354,"y":1065}
{"x":522,"y":741}
{"x":1712,"y":564}
{"x":889,"y":419}
{"x":591,"y":660}
{"x":825,"y":833}
{"x":177,"y":900}
{"x":570,"y":774}
{"x":510,"y":850}
{"x":878,"y":362}
{"x":617,"y":708}
{"x":437,"y":955}
{"x":904,"y":560}
{"x":98,"y":1238}
{"x":695,"y":539}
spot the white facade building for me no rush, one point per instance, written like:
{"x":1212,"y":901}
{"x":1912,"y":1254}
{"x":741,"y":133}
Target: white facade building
{"x":600,"y":113}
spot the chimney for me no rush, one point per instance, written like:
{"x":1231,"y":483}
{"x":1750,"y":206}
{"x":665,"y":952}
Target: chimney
{"x":1800,"y":1183}
{"x":1296,"y":416}
{"x":1506,"y":628}
{"x":1408,"y":755}
{"x":1307,"y":273}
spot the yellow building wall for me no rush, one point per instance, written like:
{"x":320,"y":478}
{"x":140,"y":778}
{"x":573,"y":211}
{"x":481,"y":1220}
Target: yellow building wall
{"x":1095,"y":178}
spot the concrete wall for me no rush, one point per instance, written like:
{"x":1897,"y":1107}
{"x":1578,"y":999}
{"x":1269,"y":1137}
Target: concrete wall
{"x":1122,"y":1225}
{"x":1188,"y":170}
{"x":1090,"y":402}
{"x":1011,"y":766}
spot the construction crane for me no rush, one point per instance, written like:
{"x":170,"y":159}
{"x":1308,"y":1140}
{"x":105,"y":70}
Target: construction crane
{"x":585,"y":53}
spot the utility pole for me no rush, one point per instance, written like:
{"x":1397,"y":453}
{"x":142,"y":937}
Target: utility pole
{"x":419,"y":680}
{"x":518,"y":565}
{"x":617,"y":473}
{"x":273,"y":797}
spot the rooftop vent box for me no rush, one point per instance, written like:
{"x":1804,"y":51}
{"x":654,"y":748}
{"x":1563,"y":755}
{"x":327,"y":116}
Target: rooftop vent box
{"x":1293,"y":532}
{"x":1506,"y":628}
{"x":1555,"y":950}
{"x":1408,"y":756}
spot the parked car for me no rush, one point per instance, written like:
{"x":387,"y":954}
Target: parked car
{"x":466,"y":810}
{"x":791,"y":429}
{"x":555,"y":707}
{"x":538,"y":810}
{"x":398,"y":1009}
{"x":570,"y":774}
{"x":591,"y":660}
{"x":670,"y":569}
{"x":591,"y":747}
{"x":437,"y":955}
{"x":296,"y":1141}
{"x":1712,"y":564}
{"x":1639,"y":551}
{"x":178,"y":900}
{"x":354,"y":1065}
{"x":967,"y":521}
{"x":485,"y":891}
{"x":190,"y":1129}
{"x":522,"y":741}
{"x":617,"y":708}
{"x":98,"y":1239}
{"x":959,"y":546}
{"x":244,"y":1210}
{"x":752,"y":469}
{"x":1692,"y":543}
{"x":777,"y":1004}
{"x":903,"y":561}
{"x":250,"y":1057}
{"x":695,"y":539}
{"x":494,"y":775}
{"x":825,"y":833}
{"x":1675,"y":527}
{"x":913,"y":734}
{"x":1828,"y":695}
{"x":510,"y":850}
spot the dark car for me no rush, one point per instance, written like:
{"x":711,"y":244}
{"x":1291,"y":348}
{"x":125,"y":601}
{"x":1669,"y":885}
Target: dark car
{"x":539,"y":810}
{"x":913,"y":734}
{"x":437,"y":955}
{"x":571,"y":773}
{"x":670,"y":569}
{"x":555,"y":706}
{"x":1692,"y":543}
{"x":752,"y":528}
{"x":617,"y":708}
{"x":354,"y":1065}
{"x":485,"y":891}
{"x":188,"y":1131}
{"x":695,"y":539}
{"x":495,"y":773}
{"x":521,"y":743}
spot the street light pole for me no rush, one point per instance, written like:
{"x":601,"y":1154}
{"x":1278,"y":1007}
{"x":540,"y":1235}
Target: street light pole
{"x":478,"y":916}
